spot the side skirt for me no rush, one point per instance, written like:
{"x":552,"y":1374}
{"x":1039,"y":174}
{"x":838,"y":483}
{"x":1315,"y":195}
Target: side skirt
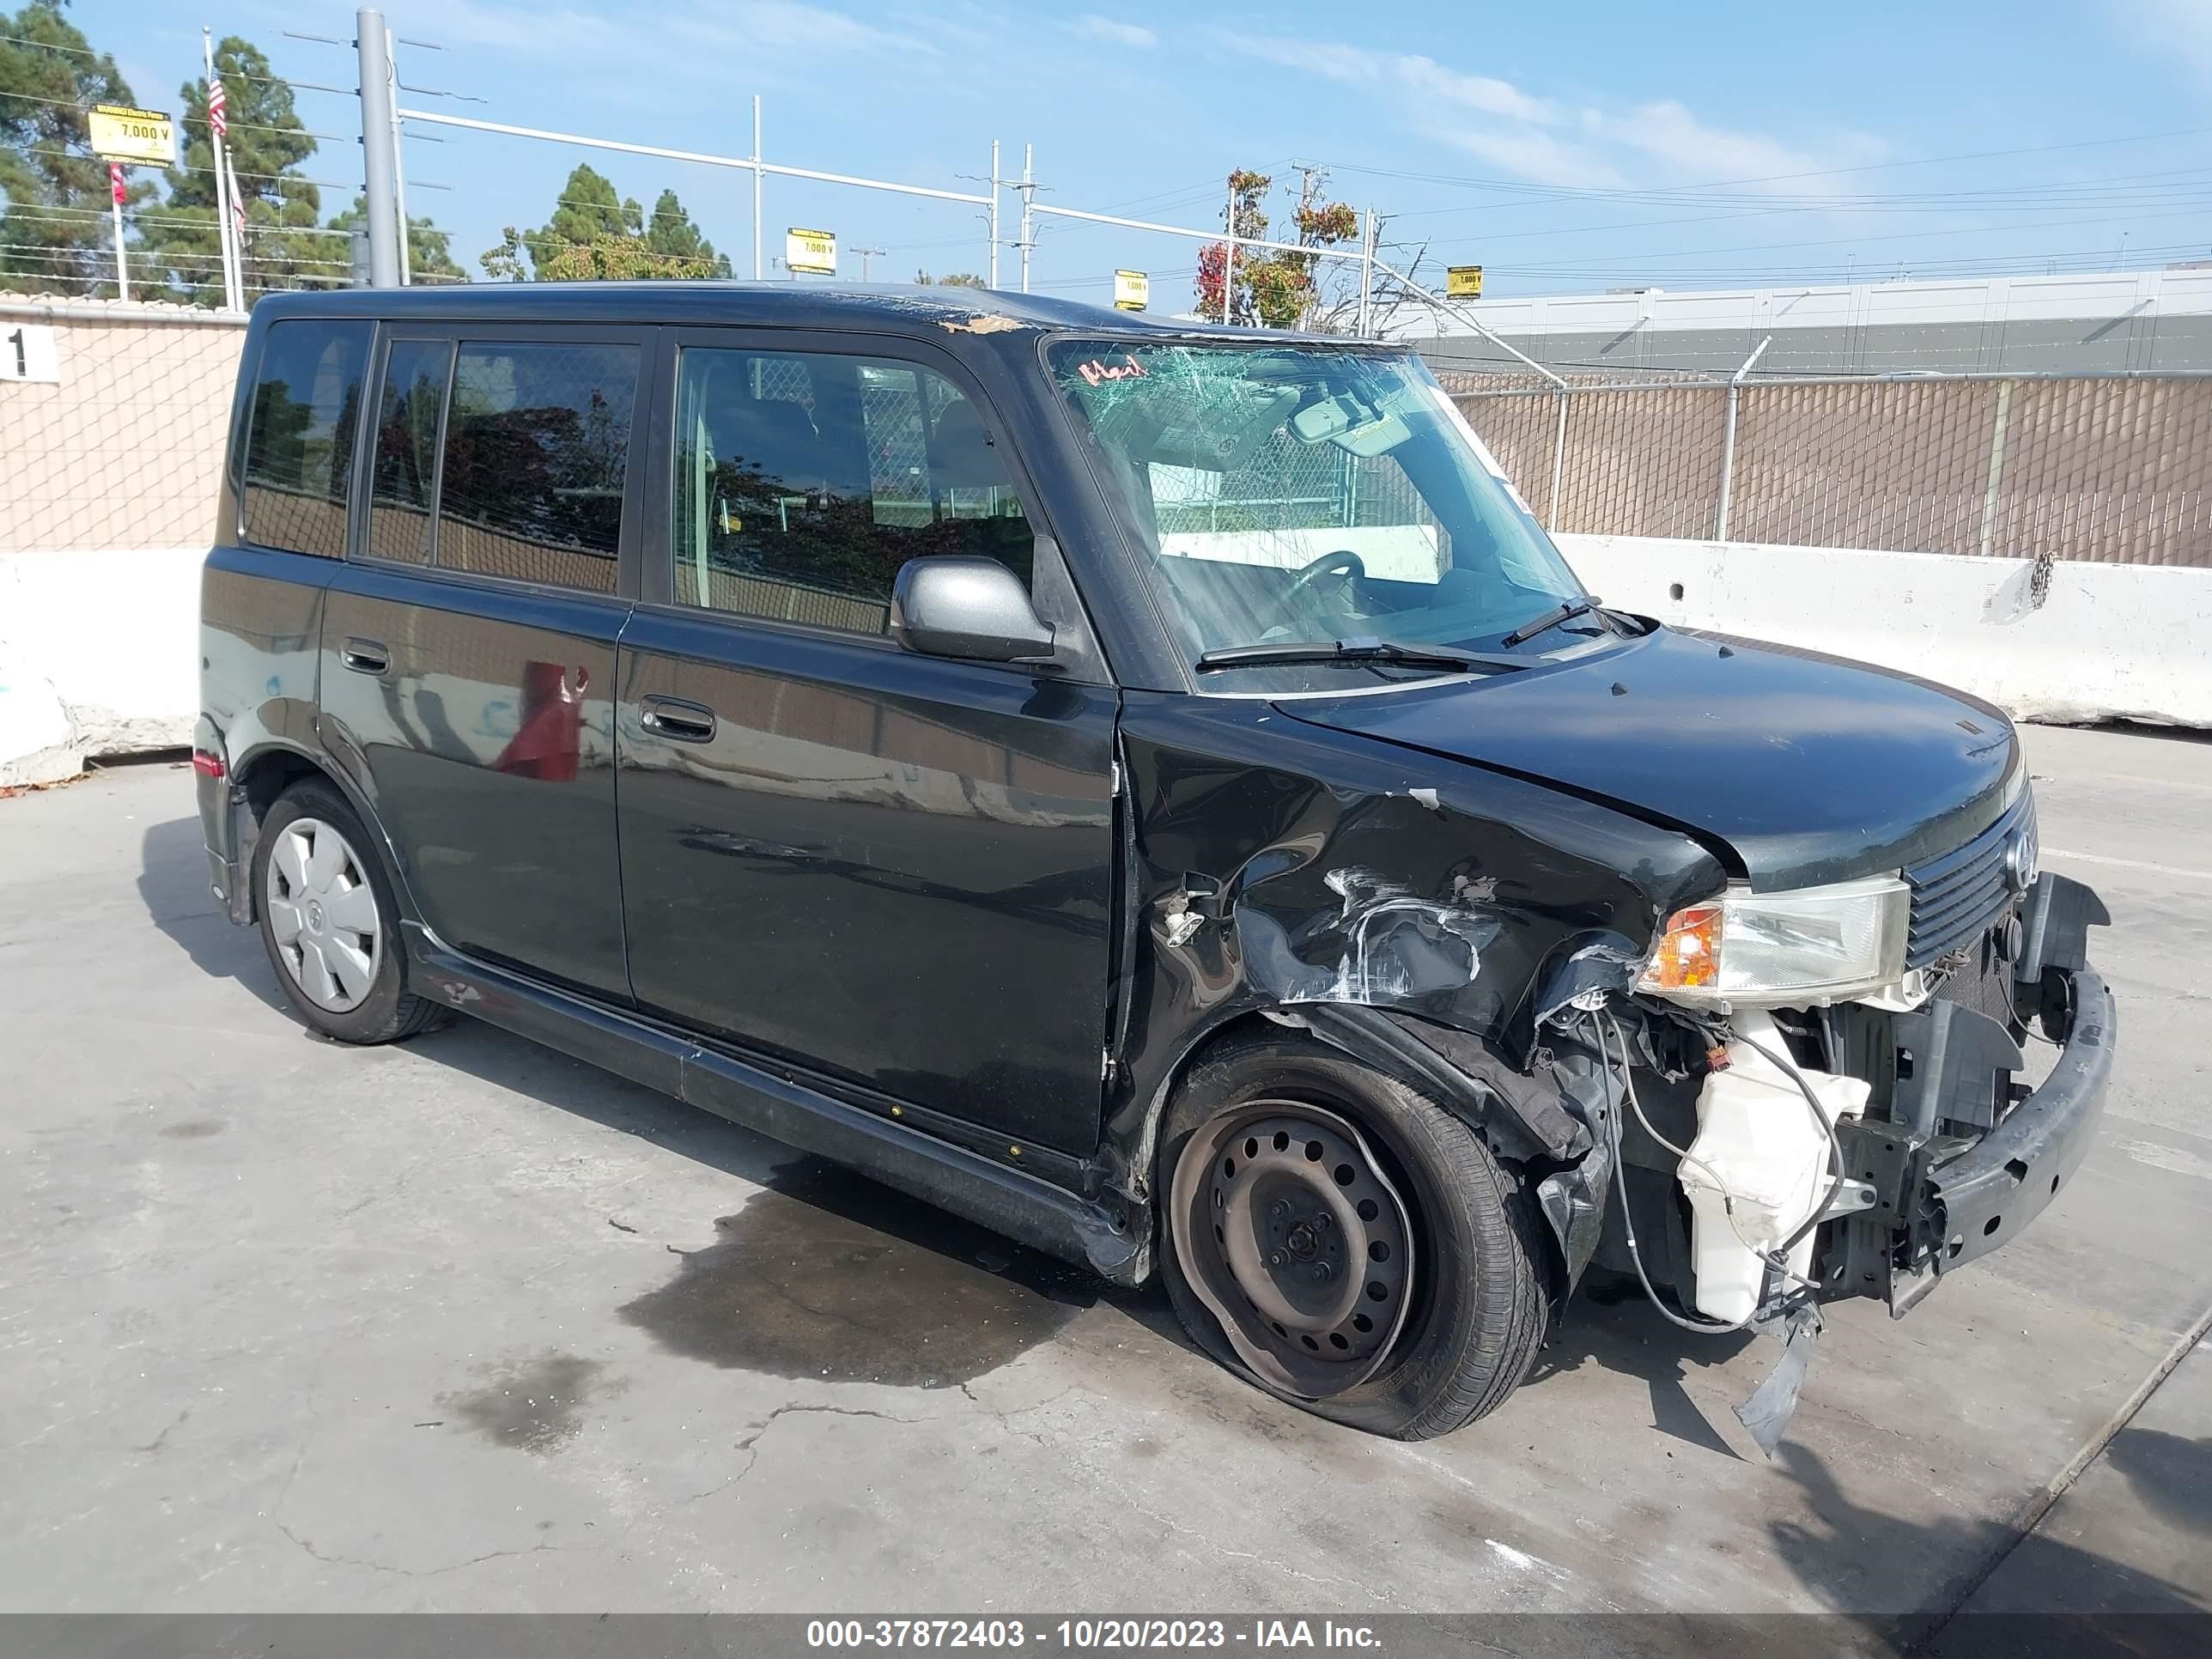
{"x":1013,"y":1201}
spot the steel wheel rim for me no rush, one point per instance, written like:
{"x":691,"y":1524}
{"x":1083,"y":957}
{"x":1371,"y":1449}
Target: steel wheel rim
{"x":323,"y":915}
{"x":1308,"y":1262}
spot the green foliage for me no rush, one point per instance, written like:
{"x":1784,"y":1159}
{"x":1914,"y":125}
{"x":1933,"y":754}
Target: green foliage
{"x":671,"y":233}
{"x":285,"y":243}
{"x":620,"y":258}
{"x":429,"y":250}
{"x":950,"y":279}
{"x":1275,"y":288}
{"x":55,"y":230}
{"x":595,"y":235}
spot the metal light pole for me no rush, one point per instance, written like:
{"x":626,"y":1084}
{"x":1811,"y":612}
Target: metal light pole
{"x":994,"y":277}
{"x":400,"y":180}
{"x":376,"y":145}
{"x":756,"y":189}
{"x":1229,"y":251}
{"x":115,"y":205}
{"x":1029,"y":219}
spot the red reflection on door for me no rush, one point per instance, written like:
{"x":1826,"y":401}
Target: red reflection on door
{"x":551,"y":736}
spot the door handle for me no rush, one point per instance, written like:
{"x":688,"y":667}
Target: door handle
{"x":675,"y":719}
{"x":365,"y":656}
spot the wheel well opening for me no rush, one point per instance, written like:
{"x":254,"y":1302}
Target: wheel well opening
{"x":272,"y":774}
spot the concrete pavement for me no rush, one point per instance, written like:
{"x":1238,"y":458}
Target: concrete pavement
{"x":464,"y":1325}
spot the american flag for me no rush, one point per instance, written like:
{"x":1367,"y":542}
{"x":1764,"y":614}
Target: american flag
{"x":237,"y":201}
{"x":218,"y":117}
{"x":115,"y":183}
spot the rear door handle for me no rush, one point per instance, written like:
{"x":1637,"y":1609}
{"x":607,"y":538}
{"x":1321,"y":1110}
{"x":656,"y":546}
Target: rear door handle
{"x":365,"y":656}
{"x":676,"y":720}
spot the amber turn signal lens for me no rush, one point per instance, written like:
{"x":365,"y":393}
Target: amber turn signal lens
{"x":1688,"y":954}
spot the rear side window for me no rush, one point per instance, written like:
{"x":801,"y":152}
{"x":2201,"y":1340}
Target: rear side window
{"x":300,"y":436}
{"x":536,"y":450}
{"x":408,"y":412}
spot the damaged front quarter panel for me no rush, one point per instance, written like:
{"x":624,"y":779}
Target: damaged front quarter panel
{"x":1428,"y":916}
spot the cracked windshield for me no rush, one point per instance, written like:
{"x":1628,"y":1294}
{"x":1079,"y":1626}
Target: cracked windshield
{"x":1291,"y":498}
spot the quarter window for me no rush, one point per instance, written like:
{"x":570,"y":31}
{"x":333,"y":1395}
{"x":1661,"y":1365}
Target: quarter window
{"x":804,"y":481}
{"x":300,"y":436}
{"x":536,"y":450}
{"x":406,"y":463}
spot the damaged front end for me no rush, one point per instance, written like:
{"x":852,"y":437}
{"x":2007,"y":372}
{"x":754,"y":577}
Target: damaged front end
{"x":1797,"y":1096}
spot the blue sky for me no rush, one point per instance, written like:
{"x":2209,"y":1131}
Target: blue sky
{"x":1563,"y":147}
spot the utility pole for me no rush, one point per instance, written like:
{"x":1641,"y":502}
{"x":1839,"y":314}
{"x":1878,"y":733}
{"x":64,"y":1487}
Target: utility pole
{"x":868,"y":258}
{"x":756,"y":189}
{"x":1229,"y":251}
{"x":376,"y":144}
{"x":1028,"y":188}
{"x":992,"y":280}
{"x":399,"y":177}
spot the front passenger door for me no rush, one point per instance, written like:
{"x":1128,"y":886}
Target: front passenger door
{"x":893,"y":870}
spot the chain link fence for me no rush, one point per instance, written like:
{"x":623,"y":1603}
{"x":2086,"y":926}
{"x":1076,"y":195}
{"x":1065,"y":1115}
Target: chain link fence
{"x":2112,"y":469}
{"x":112,"y":420}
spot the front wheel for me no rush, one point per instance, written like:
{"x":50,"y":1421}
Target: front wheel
{"x":1346,"y":1242}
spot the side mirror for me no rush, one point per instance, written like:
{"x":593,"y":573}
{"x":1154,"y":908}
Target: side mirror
{"x":975,"y":609}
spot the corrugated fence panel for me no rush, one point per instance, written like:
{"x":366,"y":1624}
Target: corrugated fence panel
{"x":1900,"y":467}
{"x":2119,"y":472}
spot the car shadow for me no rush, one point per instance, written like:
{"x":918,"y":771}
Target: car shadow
{"x":2006,"y":1593}
{"x":173,"y":885}
{"x":1610,"y":1324}
{"x":1605,"y":1326}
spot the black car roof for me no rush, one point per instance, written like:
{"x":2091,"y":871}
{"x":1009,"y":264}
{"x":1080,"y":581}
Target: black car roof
{"x":888,"y":306}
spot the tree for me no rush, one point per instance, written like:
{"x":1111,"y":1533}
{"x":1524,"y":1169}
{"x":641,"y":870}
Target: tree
{"x":284,"y":245}
{"x":429,"y":250}
{"x":950,"y":279}
{"x":671,"y":233}
{"x":55,"y":230}
{"x":621,"y":259}
{"x":597,"y":234}
{"x":1277,"y":288}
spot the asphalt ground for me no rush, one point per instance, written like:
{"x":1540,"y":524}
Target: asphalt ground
{"x":464,"y":1325}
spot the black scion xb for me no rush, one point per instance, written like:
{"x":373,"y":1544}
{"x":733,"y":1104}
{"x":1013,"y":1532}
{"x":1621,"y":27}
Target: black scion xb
{"x":1154,"y":789}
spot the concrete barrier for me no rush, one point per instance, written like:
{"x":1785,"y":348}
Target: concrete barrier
{"x":98,"y":650}
{"x":99,"y":656}
{"x":2100,"y":642}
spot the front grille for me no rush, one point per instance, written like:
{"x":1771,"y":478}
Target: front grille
{"x":1960,"y":895}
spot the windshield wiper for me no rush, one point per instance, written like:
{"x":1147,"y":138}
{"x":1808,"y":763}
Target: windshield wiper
{"x":1359,"y":650}
{"x":1564,"y":612}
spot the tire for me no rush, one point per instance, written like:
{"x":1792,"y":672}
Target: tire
{"x":328,"y":918}
{"x":1460,"y":1322}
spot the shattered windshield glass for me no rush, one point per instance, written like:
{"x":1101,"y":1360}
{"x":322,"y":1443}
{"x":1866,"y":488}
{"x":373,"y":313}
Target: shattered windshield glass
{"x":1289,"y":495}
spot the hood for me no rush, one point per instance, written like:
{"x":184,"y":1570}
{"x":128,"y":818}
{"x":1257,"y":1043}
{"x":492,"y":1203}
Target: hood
{"x":1794,"y":767}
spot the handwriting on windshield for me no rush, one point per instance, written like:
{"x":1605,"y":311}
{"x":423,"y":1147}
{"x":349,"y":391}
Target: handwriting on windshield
{"x":1094,"y":373}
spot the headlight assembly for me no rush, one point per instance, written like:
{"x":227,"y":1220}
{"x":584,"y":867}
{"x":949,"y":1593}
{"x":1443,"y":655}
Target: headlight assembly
{"x":1767,"y":950}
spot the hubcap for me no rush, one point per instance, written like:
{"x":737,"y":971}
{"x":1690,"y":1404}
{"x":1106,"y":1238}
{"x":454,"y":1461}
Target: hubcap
{"x":1297,"y":1242}
{"x":323,"y":914}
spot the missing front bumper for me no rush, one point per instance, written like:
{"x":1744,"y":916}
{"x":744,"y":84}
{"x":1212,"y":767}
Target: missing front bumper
{"x":1944,"y":1204}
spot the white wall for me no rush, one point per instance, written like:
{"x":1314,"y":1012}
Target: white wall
{"x":98,"y":655}
{"x":1968,"y":300}
{"x":99,"y":651}
{"x":2107,"y":642}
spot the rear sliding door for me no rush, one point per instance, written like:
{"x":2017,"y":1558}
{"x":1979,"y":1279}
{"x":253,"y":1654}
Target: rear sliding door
{"x":468,"y":646}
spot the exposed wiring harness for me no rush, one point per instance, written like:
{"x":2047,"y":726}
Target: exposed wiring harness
{"x":1777,"y":1258}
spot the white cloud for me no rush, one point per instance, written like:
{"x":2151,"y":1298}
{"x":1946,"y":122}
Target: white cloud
{"x":1545,"y":140}
{"x":2177,"y":31}
{"x":1104,"y":30}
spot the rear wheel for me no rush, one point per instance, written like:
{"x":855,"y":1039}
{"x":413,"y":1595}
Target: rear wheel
{"x":330,"y":921}
{"x":1346,"y":1242}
